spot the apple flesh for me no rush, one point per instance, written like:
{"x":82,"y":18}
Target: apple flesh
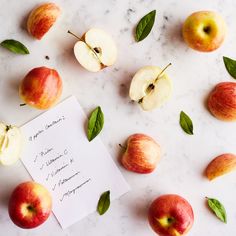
{"x":142,"y":154}
{"x":10,"y":144}
{"x":42,"y":18}
{"x":221,"y":165}
{"x":150,"y":87}
{"x":170,"y":215}
{"x":204,"y":31}
{"x":41,"y":88}
{"x":222,"y":101}
{"x":30,"y":205}
{"x":95,"y":50}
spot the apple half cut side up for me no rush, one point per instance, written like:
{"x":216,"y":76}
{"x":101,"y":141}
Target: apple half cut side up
{"x":95,"y":50}
{"x":10,"y":144}
{"x":150,"y":87}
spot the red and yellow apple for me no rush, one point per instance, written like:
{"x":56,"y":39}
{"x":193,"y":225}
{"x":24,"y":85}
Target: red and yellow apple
{"x":222,"y":101}
{"x":142,"y":154}
{"x":221,"y":165}
{"x":170,"y":215}
{"x":41,"y":88}
{"x":30,"y":205}
{"x":42,"y":18}
{"x":204,"y":31}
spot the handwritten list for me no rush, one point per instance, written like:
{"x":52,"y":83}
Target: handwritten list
{"x":75,"y":171}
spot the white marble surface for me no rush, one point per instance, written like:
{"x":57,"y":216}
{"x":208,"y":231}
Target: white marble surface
{"x":194,"y":75}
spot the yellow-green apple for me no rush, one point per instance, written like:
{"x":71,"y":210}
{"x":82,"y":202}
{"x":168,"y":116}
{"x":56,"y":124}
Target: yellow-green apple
{"x":42,"y":18}
{"x":204,"y":31}
{"x":11,"y":142}
{"x":95,"y":50}
{"x":30,"y":205}
{"x":142,"y":154}
{"x":41,"y":88}
{"x":222,"y":101}
{"x":221,"y":165}
{"x":171,"y":215}
{"x":150,"y":87}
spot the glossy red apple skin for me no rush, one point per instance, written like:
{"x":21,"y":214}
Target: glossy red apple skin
{"x":142,"y":154}
{"x":222,"y":101}
{"x":41,"y":88}
{"x":30,"y":205}
{"x":170,"y":215}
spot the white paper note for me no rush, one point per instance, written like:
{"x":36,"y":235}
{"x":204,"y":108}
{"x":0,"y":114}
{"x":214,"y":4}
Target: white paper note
{"x":76,"y":172}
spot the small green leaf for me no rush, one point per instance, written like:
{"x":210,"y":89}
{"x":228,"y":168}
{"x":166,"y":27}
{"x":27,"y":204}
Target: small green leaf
{"x":95,"y":123}
{"x":103,"y":203}
{"x":145,"y":25}
{"x":217,"y":208}
{"x":14,"y":46}
{"x":186,"y":123}
{"x":230,"y":65}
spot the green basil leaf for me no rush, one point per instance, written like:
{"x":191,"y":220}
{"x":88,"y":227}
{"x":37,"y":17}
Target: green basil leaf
{"x":103,"y":203}
{"x":95,"y":123}
{"x":145,"y":25}
{"x":230,"y":66}
{"x":15,"y":46}
{"x":186,"y":123}
{"x":217,"y":208}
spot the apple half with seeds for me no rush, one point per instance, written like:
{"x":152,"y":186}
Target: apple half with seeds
{"x":10,"y":144}
{"x":95,"y":50}
{"x":150,"y":87}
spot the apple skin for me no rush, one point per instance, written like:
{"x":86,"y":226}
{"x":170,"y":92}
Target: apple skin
{"x":204,"y":31}
{"x":42,"y":18}
{"x":222,"y":101}
{"x":170,"y":215}
{"x":142,"y":154}
{"x":41,"y":88}
{"x":221,"y":165}
{"x":30,"y":205}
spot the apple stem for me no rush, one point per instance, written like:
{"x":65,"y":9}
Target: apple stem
{"x":123,"y":147}
{"x":162,"y":72}
{"x":22,"y":104}
{"x":8,"y":127}
{"x":69,"y":32}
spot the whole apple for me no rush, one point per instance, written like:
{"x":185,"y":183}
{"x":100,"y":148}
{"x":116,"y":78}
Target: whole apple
{"x":204,"y":31}
{"x":42,"y":18}
{"x":170,"y":215}
{"x":30,"y":205}
{"x":41,"y":88}
{"x":222,"y":101}
{"x":142,"y":154}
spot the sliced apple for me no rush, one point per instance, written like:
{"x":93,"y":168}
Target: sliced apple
{"x":95,"y":50}
{"x":10,"y":144}
{"x":221,"y":165}
{"x":150,"y":87}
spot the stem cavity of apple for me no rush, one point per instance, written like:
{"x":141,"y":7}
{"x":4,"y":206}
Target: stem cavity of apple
{"x":95,"y":50}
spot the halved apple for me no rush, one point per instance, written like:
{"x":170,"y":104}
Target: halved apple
{"x":95,"y":50}
{"x":150,"y":87}
{"x":10,"y":144}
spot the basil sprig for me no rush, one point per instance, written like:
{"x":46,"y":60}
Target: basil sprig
{"x":145,"y":25}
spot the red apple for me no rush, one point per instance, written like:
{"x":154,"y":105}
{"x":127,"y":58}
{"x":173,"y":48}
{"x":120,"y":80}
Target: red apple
{"x":204,"y":31}
{"x":170,"y":215}
{"x":30,"y":205}
{"x":142,"y":154}
{"x":222,"y":101}
{"x":42,"y":18}
{"x":41,"y":88}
